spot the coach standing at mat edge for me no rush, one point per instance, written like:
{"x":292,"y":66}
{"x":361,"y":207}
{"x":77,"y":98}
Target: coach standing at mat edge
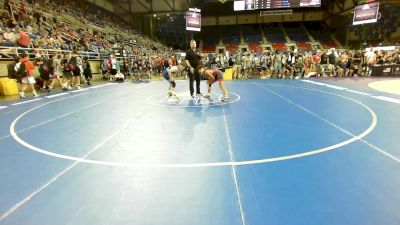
{"x":193,"y":61}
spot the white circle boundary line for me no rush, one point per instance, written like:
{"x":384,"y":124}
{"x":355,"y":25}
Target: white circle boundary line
{"x":197,"y":165}
{"x":219,"y":104}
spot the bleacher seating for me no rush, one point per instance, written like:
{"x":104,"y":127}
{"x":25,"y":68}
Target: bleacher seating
{"x":395,"y":41}
{"x":210,"y":38}
{"x":209,"y":48}
{"x":296,"y":32}
{"x":273,"y":33}
{"x":232,"y":47}
{"x":329,"y":44}
{"x":304,"y":45}
{"x":171,"y":32}
{"x":279,"y":46}
{"x":321,"y":35}
{"x":230,"y":34}
{"x":318,"y":32}
{"x":82,"y":25}
{"x":252,"y":34}
{"x":255,"y":47}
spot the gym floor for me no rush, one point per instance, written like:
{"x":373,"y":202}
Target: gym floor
{"x":281,"y":152}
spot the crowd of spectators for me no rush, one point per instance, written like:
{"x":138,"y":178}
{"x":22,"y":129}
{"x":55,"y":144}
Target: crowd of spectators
{"x":294,"y":64}
{"x":44,"y":25}
{"x":71,"y":25}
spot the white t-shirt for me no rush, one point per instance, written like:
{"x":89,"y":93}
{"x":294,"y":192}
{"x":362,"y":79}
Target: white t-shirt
{"x":119,"y":75}
{"x":113,"y":64}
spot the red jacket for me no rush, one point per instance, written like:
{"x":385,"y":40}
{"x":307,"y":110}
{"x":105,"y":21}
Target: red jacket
{"x":29,"y":67}
{"x":24,"y":39}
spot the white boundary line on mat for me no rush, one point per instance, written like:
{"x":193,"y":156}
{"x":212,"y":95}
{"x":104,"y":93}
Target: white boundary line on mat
{"x":210,"y":164}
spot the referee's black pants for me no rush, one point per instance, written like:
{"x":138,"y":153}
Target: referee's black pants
{"x":192,"y":77}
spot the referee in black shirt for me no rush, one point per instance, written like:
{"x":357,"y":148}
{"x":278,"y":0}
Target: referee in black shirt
{"x":193,"y":60}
